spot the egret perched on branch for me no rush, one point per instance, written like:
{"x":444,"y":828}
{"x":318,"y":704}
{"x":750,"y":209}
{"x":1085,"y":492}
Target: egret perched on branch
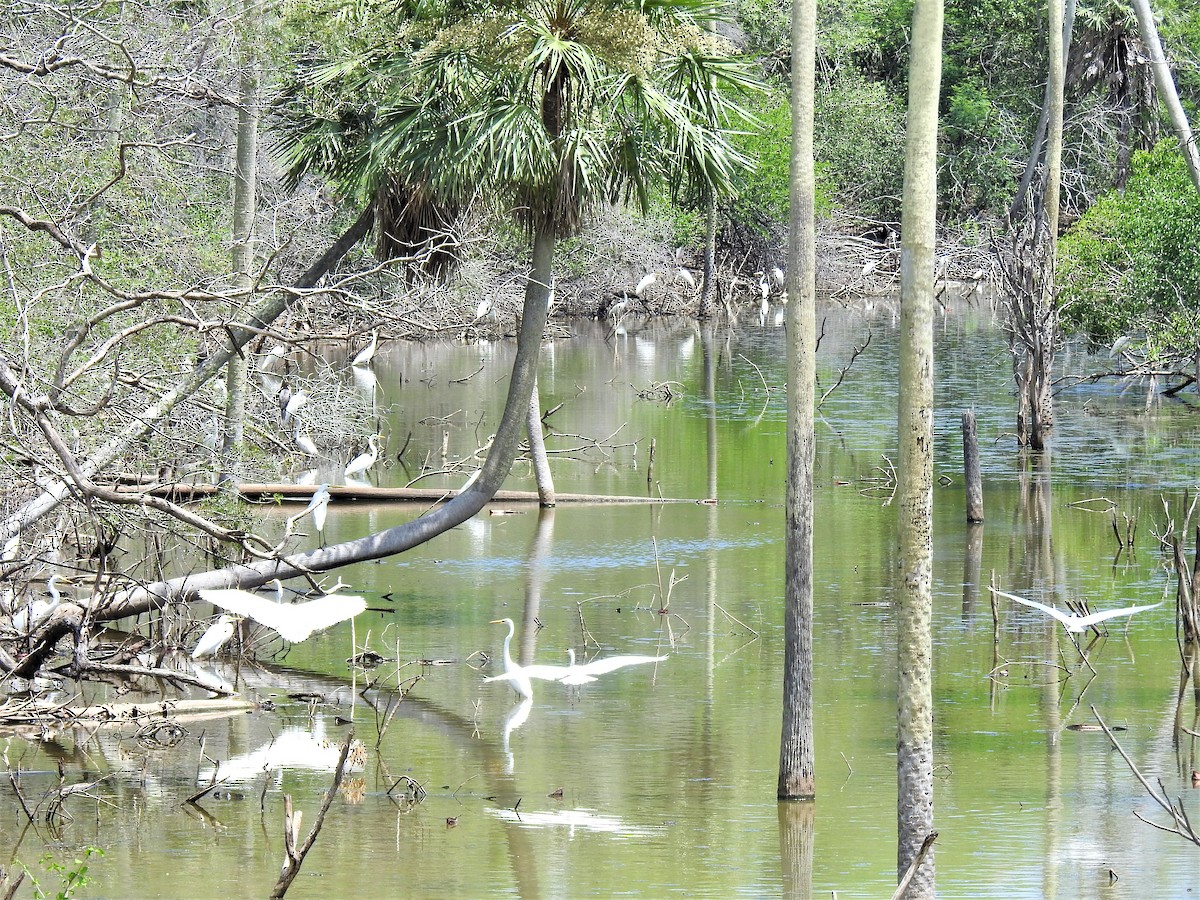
{"x":686,"y":277}
{"x":295,"y":622}
{"x":215,"y":636}
{"x":317,"y":506}
{"x":648,"y":279}
{"x":585,"y":672}
{"x":366,"y":459}
{"x":295,"y":400}
{"x":367,"y":353}
{"x":34,"y":613}
{"x":1073,"y":623}
{"x":485,"y":312}
{"x":517,"y":675}
{"x":305,"y":443}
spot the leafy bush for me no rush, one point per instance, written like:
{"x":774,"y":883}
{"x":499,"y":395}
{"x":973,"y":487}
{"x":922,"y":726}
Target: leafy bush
{"x":1131,"y":265}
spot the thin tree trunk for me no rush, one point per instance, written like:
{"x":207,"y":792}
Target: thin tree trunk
{"x":796,"y":765}
{"x":537,"y":451}
{"x":1166,"y":89}
{"x":708,"y":276}
{"x":914,"y":741}
{"x":245,"y":200}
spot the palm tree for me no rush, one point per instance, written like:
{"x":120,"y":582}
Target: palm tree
{"x":542,"y":109}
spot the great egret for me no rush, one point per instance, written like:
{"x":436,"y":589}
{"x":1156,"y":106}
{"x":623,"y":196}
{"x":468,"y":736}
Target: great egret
{"x":585,"y":672}
{"x":295,"y":401}
{"x":648,"y":279}
{"x":367,"y":353}
{"x":305,"y":443}
{"x":485,"y":312}
{"x":1073,"y":623}
{"x":215,"y":636}
{"x":778,"y":277}
{"x":366,"y":459}
{"x":1120,"y":344}
{"x":317,"y":506}
{"x":517,"y":675}
{"x":295,"y":622}
{"x":34,"y":613}
{"x":686,"y":277}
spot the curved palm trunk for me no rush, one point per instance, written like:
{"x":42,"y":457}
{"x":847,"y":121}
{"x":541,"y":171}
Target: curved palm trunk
{"x":914,"y":738}
{"x":499,"y":461}
{"x":796,"y":767}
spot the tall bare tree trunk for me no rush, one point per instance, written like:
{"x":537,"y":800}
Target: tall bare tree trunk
{"x":1166,"y":89}
{"x":796,"y":766}
{"x":708,"y":277}
{"x":245,"y":178}
{"x":914,"y":739}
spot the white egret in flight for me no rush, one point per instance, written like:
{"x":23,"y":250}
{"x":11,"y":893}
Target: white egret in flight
{"x":366,"y":459}
{"x":295,"y":622}
{"x":582,"y":673}
{"x":1073,"y":623}
{"x":215,"y":636}
{"x":517,"y":675}
{"x":367,"y":353}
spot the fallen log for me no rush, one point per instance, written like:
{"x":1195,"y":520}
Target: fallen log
{"x":287,"y":491}
{"x":118,"y":713}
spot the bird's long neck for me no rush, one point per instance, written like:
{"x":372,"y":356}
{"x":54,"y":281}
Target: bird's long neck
{"x":509,"y":665}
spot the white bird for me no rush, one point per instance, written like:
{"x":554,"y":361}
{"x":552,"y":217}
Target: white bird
{"x":367,"y":353}
{"x":870,"y":267}
{"x":1120,"y":344}
{"x":648,"y":279}
{"x":686,"y":277}
{"x":295,"y":622}
{"x":34,"y":613}
{"x":764,"y":288}
{"x":517,"y":675}
{"x":1073,"y":623}
{"x":317,"y":505}
{"x":12,"y":548}
{"x":294,"y":402}
{"x":614,"y":311}
{"x":778,"y":277}
{"x":484,"y":311}
{"x":366,"y":459}
{"x":215,"y":636}
{"x":305,"y":443}
{"x":582,"y":673}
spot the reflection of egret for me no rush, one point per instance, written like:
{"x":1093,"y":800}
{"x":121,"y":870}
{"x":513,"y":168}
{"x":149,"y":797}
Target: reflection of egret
{"x":34,"y":613}
{"x":585,"y":672}
{"x":292,"y":748}
{"x":295,"y":622}
{"x":317,"y":506}
{"x":215,"y":636}
{"x":366,"y":459}
{"x":1073,"y":623}
{"x":517,"y":675}
{"x":367,"y":353}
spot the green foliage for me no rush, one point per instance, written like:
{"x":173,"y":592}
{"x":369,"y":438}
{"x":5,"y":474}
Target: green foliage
{"x":74,"y":876}
{"x":1131,"y":265}
{"x":859,"y":144}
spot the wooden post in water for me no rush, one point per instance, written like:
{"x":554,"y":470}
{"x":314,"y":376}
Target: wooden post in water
{"x":650,"y":465}
{"x":971,"y":468}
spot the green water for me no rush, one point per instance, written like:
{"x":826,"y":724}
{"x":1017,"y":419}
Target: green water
{"x":668,"y":772}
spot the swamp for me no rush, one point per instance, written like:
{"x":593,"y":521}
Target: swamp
{"x":658,"y":779}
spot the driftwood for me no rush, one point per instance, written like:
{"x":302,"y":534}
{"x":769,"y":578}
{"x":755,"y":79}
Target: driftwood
{"x":121,"y":713}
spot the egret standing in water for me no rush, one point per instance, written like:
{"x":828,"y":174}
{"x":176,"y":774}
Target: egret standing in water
{"x":517,"y":675}
{"x":367,"y":353}
{"x":215,"y":636}
{"x":366,"y":459}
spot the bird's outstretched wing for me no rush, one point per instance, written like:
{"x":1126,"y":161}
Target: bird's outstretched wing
{"x":295,"y":622}
{"x":1090,"y":620}
{"x":1063,"y":617}
{"x":611,"y":664}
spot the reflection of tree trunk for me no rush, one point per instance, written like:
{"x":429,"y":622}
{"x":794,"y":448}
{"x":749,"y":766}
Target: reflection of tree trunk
{"x":710,"y":397}
{"x":537,"y":451}
{"x":914,"y":742}
{"x":797,"y":777}
{"x":796,"y":848}
{"x":535,"y":574}
{"x":972,"y":566}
